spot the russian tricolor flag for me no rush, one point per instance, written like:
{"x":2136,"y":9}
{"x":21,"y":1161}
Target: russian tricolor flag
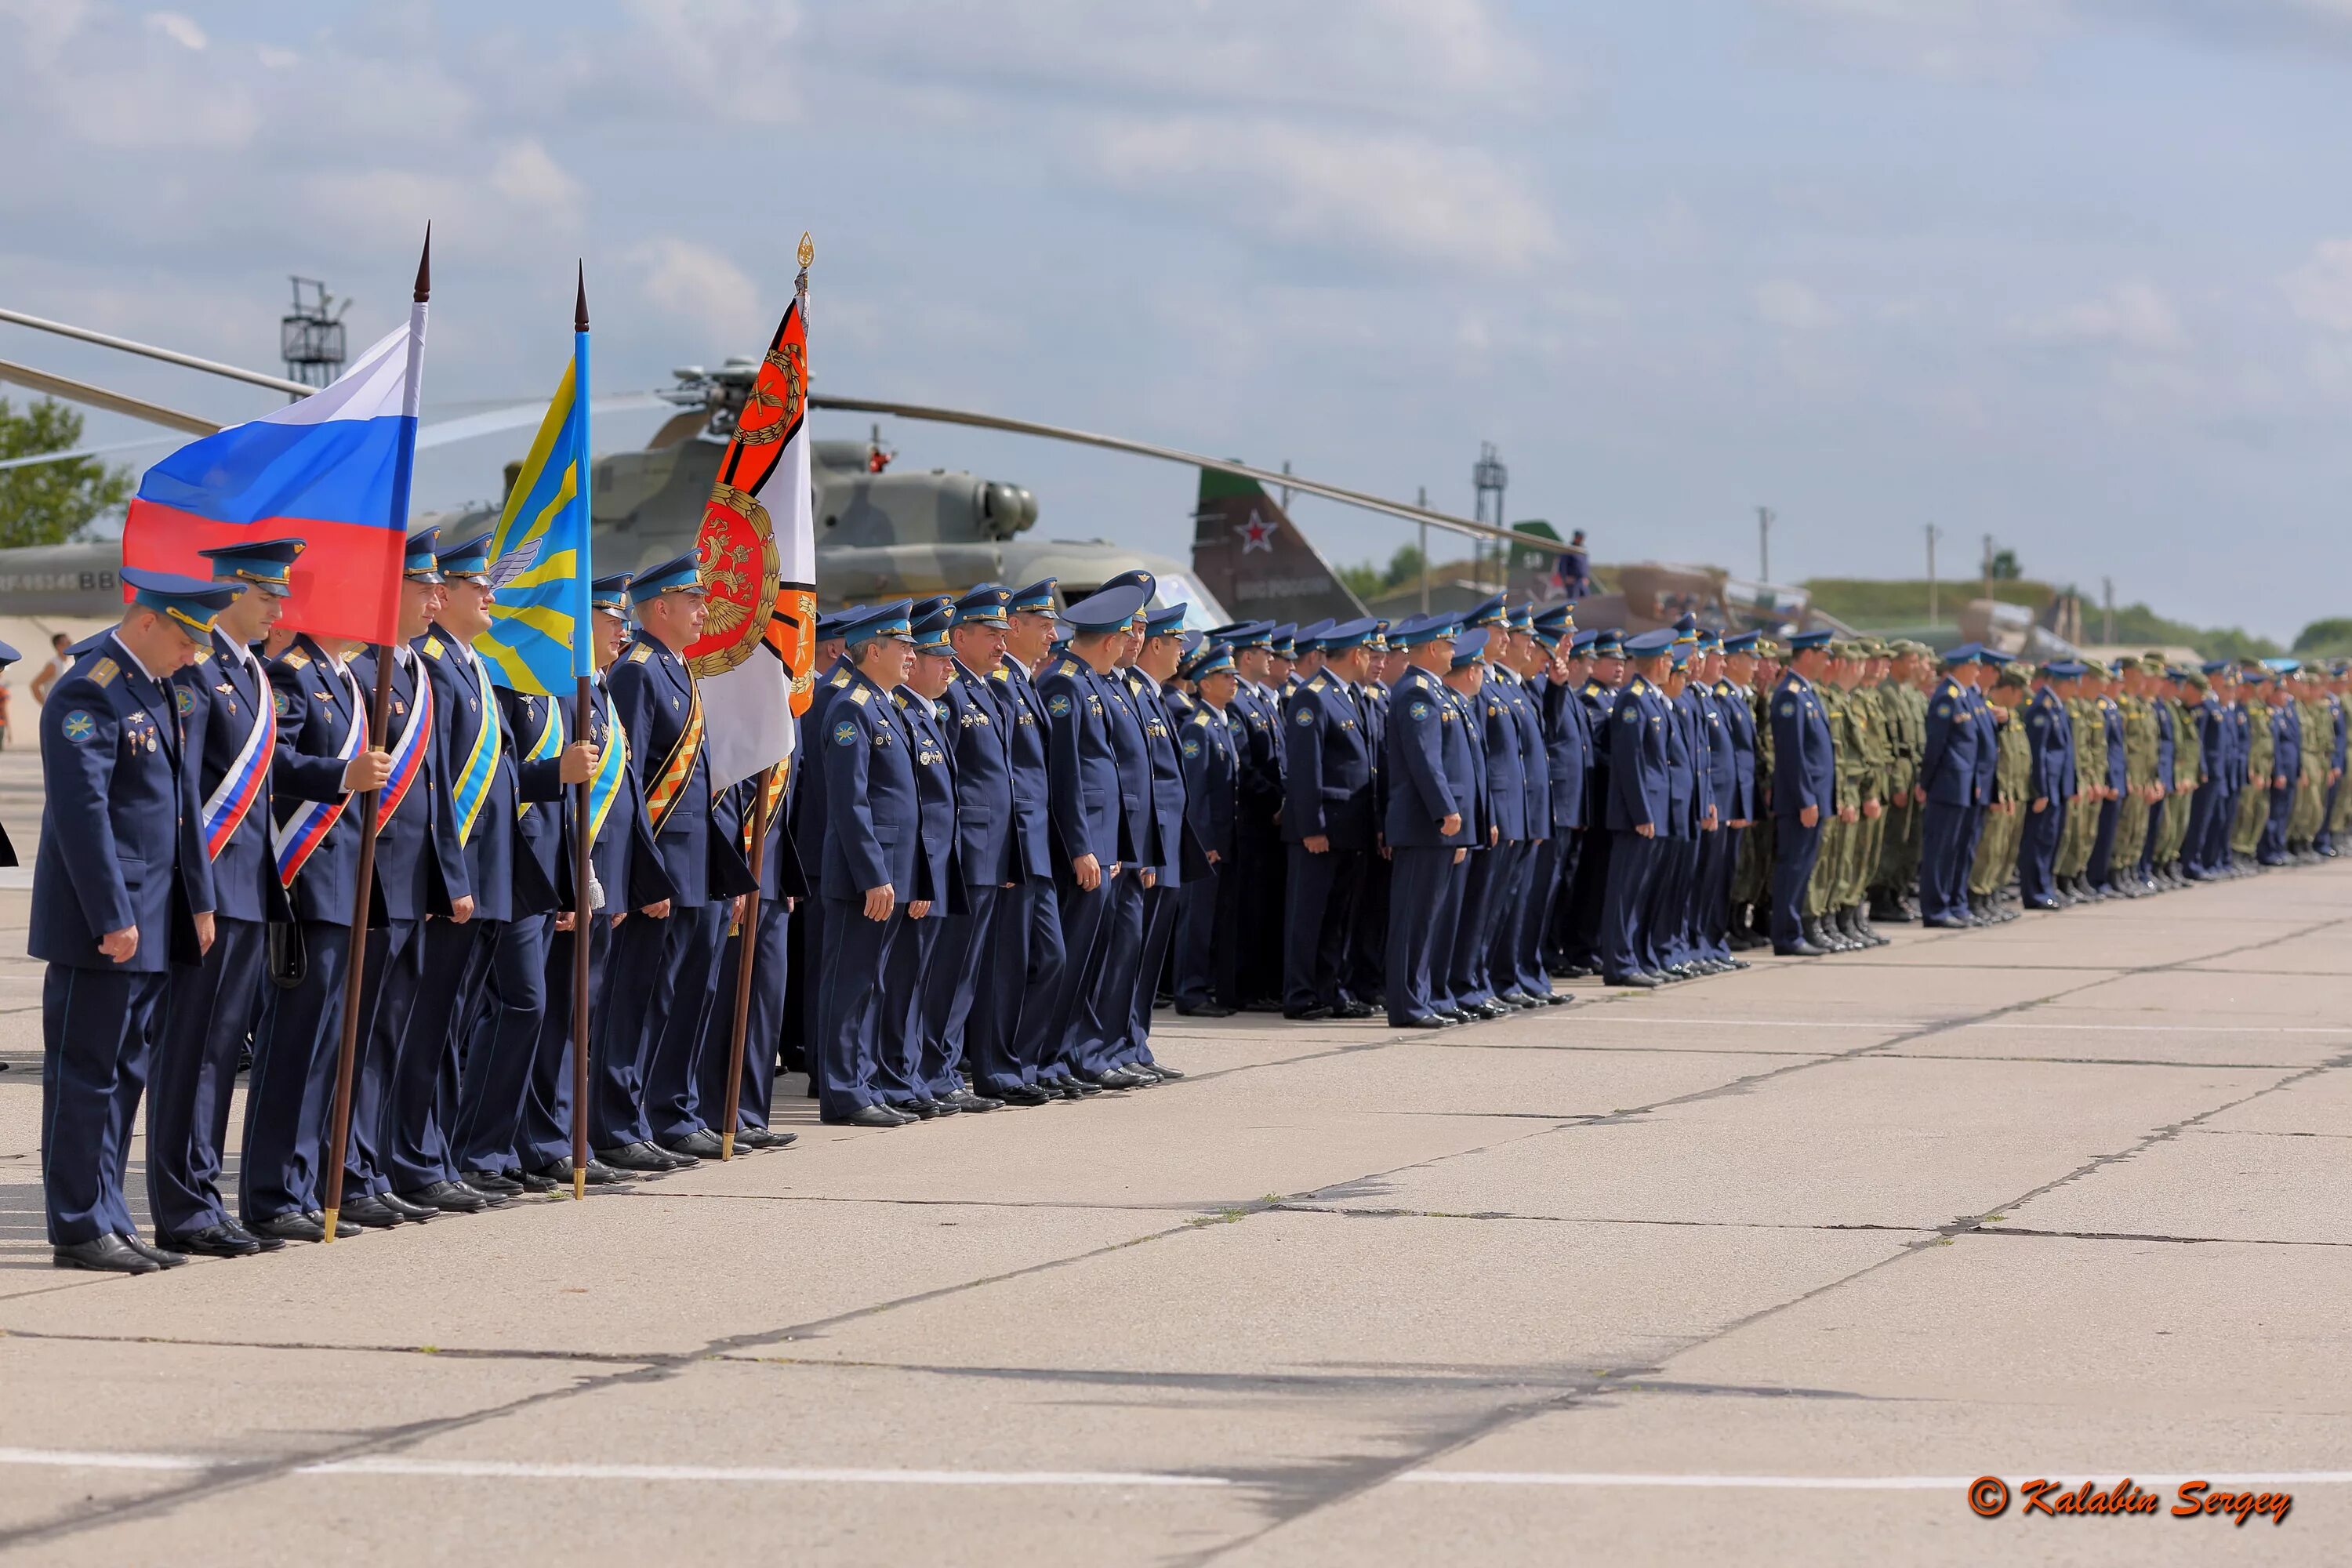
{"x":332,"y":469}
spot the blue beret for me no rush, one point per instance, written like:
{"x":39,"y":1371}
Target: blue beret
{"x":264,"y":563}
{"x":1107,"y":609}
{"x":189,"y":602}
{"x":1036,"y":599}
{"x":680,"y":573}
{"x":422,"y":563}
{"x":469,"y":558}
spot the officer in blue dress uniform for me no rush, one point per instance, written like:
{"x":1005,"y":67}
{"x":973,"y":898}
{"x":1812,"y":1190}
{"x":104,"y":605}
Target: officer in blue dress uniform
{"x":804,"y":806}
{"x":1178,"y":859}
{"x":1948,"y":773}
{"x":1366,"y":972}
{"x":1587,"y":892}
{"x":389,"y":1176}
{"x":1706,"y":923}
{"x":1987,"y":669}
{"x":872,"y":845}
{"x":2287,"y":768}
{"x":2050,"y":738}
{"x":1665,"y":951}
{"x":1429,"y":814}
{"x":1211,"y":799}
{"x":648,"y":1115}
{"x":1511,"y":655}
{"x":229,"y":731}
{"x":1255,"y":955}
{"x":1101,"y":785}
{"x":913,"y":1073}
{"x":1804,"y":788}
{"x":326,"y":764}
{"x":122,"y":890}
{"x":783,"y":892}
{"x":2098,"y":878}
{"x":1740,"y":806}
{"x":1566,"y":746}
{"x":625,"y":874}
{"x":1029,"y":951}
{"x":1490,"y":868}
{"x":1464,"y":680}
{"x":1641,"y":745}
{"x":1327,"y":823}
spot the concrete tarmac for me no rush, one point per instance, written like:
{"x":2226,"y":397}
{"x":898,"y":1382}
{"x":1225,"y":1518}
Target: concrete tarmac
{"x":1765,"y":1267}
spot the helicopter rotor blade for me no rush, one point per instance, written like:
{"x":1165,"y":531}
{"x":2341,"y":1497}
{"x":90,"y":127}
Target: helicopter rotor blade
{"x":1190,"y":459}
{"x":98,"y":397}
{"x":169,"y":356}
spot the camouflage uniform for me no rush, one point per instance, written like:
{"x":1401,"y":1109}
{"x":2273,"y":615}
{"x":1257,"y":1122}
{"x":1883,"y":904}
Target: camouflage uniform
{"x":1821,"y":889}
{"x":2139,"y":772}
{"x":2308,"y":813}
{"x":1996,"y":861}
{"x":2188,"y":763}
{"x":1752,"y":878}
{"x":1866,"y":723}
{"x":1905,"y":733}
{"x":2255,"y":805}
{"x":2082,"y":827}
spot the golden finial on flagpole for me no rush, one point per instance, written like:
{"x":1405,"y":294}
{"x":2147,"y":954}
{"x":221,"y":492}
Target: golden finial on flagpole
{"x":808,"y":254}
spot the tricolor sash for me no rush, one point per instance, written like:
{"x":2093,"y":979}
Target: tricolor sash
{"x":545,"y":748}
{"x":473,"y":785}
{"x":777,"y":777}
{"x":407,"y":752}
{"x":612,"y":766}
{"x":662,"y":795}
{"x":307,"y":827}
{"x":225,"y":809}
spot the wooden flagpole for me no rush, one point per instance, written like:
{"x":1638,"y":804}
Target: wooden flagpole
{"x":584,"y":850}
{"x":747,"y":940}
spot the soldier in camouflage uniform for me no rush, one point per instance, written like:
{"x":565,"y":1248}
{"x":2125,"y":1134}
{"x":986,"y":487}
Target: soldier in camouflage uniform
{"x":1752,"y":878}
{"x":1903,"y":695}
{"x":2309,"y":814}
{"x":1995,"y":866}
{"x":2141,"y":734}
{"x":1820,"y":888}
{"x":1867,"y":720}
{"x":2339,"y":799}
{"x":2187,"y":694}
{"x":2082,"y":711}
{"x":2254,"y":803}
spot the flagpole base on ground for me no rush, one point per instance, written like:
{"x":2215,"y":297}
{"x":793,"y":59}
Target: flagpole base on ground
{"x":332,"y":1216}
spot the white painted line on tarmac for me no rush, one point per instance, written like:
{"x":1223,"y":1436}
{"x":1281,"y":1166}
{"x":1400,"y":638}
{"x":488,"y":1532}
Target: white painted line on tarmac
{"x":1902,"y":1024}
{"x":1857,"y":1483}
{"x":508,"y":1470}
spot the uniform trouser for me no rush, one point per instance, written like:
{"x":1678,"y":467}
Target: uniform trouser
{"x":1633,"y":867}
{"x":1795,"y":849}
{"x":898,"y":1041}
{"x":1367,"y":931}
{"x":953,"y":989}
{"x":2100,"y":868}
{"x":1555,"y":865}
{"x":1417,"y":881}
{"x":857,"y":951}
{"x":2273,"y":845}
{"x":1588,"y":898}
{"x":2037,"y":848}
{"x":546,"y":1133}
{"x":1944,"y":860}
{"x":395,"y":957}
{"x":642,"y":978}
{"x":287,"y":1098}
{"x":1710,"y":922}
{"x":1898,"y":855}
{"x":2213,"y":833}
{"x":451,"y":964}
{"x":1663,"y":899}
{"x":1506,"y":911}
{"x":1197,"y":906}
{"x":1025,"y":979}
{"x":505,"y":1045}
{"x":1823,"y":876}
{"x":1446,"y":919}
{"x":1159,"y":904}
{"x":99,"y":1028}
{"x":1085,"y":936}
{"x":762,"y":1020}
{"x":1466,"y":966}
{"x":209,"y":1014}
{"x":1320,"y":898}
{"x":809,"y":936}
{"x":1098,"y":1021}
{"x":1257,"y":955}
{"x":675,"y":1107}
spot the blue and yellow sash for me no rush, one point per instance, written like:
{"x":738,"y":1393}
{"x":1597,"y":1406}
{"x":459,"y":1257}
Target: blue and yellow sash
{"x":612,"y":766}
{"x":473,"y":785}
{"x":545,"y":748}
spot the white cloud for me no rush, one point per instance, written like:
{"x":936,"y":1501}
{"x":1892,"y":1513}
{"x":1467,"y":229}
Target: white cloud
{"x":1791,"y":306}
{"x":2135,"y":317}
{"x":695,"y":285}
{"x":1398,"y":196}
{"x":2320,"y":290}
{"x":735,"y":60}
{"x":181,"y":30}
{"x":525,"y":173}
{"x":1943,"y":39}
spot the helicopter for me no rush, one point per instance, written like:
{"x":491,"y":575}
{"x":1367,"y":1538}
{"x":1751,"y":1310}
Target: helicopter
{"x":882,"y":532}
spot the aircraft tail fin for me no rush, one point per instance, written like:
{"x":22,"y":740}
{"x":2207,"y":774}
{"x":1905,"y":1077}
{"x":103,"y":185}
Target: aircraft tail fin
{"x":1250,"y":554}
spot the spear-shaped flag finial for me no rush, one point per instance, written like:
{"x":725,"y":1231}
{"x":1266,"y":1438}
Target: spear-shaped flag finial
{"x":579,"y":302}
{"x":424,"y":267}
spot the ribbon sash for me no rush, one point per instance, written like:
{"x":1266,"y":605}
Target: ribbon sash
{"x":473,"y":785}
{"x":225,"y":808}
{"x":546,"y":747}
{"x":307,"y":827}
{"x":662,"y":797}
{"x":407,"y":752}
{"x":612,"y":766}
{"x":777,"y":777}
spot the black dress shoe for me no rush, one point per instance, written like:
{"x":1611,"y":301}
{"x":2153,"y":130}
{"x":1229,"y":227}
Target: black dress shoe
{"x":288,"y":1227}
{"x":1425,"y":1021}
{"x":533,"y":1182}
{"x":105,"y":1254}
{"x":1353,"y":1010}
{"x":161,"y":1256}
{"x":1164,"y":1070}
{"x":368,"y":1210}
{"x":1206,"y":1010}
{"x":407,"y":1208}
{"x":964,"y":1099}
{"x":492,"y":1182}
{"x":869,"y":1116}
{"x":489,"y":1199}
{"x":211,"y":1241}
{"x":1307,"y":1014}
{"x":702,"y":1144}
{"x":1454,"y":1016}
{"x":266,"y":1243}
{"x":445,"y":1197}
{"x":642,"y":1158}
{"x":1637,"y":981}
{"x":1025,"y":1095}
{"x":344,"y":1229}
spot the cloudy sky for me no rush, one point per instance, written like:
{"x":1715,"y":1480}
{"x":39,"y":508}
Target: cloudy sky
{"x":2075,"y":273}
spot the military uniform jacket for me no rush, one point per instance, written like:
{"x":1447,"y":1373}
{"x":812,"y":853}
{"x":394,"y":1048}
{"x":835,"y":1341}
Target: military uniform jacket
{"x":1950,"y":767}
{"x":1257,"y":734}
{"x":2111,"y":729}
{"x":1568,"y":751}
{"x":1482,"y":813}
{"x":2050,"y":737}
{"x":534,"y":723}
{"x":464,"y":703}
{"x":936,"y":878}
{"x":1032,"y":820}
{"x":1641,"y":758}
{"x":1085,"y":797}
{"x":1685,"y":767}
{"x":656,"y":697}
{"x":1137,"y":822}
{"x":1428,"y":766}
{"x":873,"y":808}
{"x":420,"y":867}
{"x":1498,"y":735}
{"x":221,"y":698}
{"x":804,"y":802}
{"x":1212,"y":778}
{"x":2287,"y":742}
{"x":1988,"y":741}
{"x":1715,"y":763}
{"x":120,"y":846}
{"x":1738,"y":803}
{"x":1535,"y":766}
{"x":2168,"y":744}
{"x":1598,"y":701}
{"x":1173,"y":856}
{"x":318,"y":702}
{"x":1328,"y":777}
{"x":979,"y":743}
{"x":1804,"y":760}
{"x":626,"y":866}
